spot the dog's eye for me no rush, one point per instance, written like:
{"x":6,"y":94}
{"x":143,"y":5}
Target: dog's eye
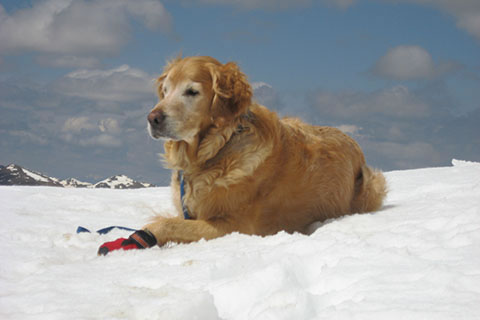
{"x":191,"y":92}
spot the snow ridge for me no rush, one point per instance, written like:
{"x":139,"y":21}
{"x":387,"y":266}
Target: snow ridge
{"x":417,"y":258}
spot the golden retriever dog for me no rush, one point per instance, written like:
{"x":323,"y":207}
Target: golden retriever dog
{"x":237,"y":167}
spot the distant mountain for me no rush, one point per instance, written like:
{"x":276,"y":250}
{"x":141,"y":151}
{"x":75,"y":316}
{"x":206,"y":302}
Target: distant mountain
{"x":16,"y":175}
{"x":74,"y":183}
{"x":121,"y":182}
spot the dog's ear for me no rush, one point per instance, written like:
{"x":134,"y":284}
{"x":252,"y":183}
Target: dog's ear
{"x":233,"y":93}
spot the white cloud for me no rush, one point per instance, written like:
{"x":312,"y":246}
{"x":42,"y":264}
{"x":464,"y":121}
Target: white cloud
{"x":68,"y":61}
{"x":102,"y":140}
{"x":410,"y":63}
{"x":470,"y":21}
{"x":404,"y":155}
{"x":78,"y":124}
{"x":109,"y":125}
{"x":256,"y":4}
{"x":466,"y":12}
{"x":26,"y":137}
{"x":121,"y":84}
{"x":86,"y":132}
{"x":266,"y":95}
{"x":260,"y":85}
{"x":80,"y":26}
{"x":396,"y":102}
{"x":405,"y":63}
{"x":349,"y":129}
{"x":273,"y":4}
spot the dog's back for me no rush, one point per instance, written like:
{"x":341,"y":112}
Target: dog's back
{"x":370,"y":184}
{"x":322,"y":174}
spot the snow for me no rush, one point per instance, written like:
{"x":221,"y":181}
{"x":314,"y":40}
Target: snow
{"x":121,"y":179}
{"x":74,"y":183}
{"x":35,"y":176}
{"x":116,"y":181}
{"x":417,"y":258}
{"x":12,"y":168}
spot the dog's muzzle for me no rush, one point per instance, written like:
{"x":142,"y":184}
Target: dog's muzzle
{"x":158,"y":126}
{"x":156,"y":121}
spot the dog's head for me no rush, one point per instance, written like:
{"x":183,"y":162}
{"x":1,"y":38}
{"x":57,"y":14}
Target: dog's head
{"x":196,"y":93}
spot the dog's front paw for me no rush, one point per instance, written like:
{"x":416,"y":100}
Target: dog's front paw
{"x":140,"y":239}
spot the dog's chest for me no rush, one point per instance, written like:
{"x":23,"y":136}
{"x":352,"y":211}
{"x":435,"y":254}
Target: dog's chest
{"x":190,"y":191}
{"x":215,"y":189}
{"x":205,"y":195}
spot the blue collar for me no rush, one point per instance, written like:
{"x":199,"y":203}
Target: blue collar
{"x":186,"y":215}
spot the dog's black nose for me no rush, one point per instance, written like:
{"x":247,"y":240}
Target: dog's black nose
{"x":156,"y":118}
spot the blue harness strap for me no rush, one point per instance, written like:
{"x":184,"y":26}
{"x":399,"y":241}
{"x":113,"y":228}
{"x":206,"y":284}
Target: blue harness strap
{"x":81,"y":229}
{"x":186,"y":215}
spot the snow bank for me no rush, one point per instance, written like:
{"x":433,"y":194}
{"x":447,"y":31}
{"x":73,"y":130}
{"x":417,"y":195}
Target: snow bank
{"x":418,"y":258}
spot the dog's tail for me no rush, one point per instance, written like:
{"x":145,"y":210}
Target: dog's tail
{"x":370,"y":190}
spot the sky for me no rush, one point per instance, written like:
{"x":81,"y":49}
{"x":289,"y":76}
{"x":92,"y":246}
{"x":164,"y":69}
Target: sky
{"x":77,"y":77}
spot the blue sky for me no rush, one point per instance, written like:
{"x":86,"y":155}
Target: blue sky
{"x":402,"y":77}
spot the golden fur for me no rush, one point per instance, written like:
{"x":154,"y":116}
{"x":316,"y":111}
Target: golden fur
{"x":245,"y":169}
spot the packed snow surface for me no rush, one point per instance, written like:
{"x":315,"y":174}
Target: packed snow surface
{"x":417,"y":258}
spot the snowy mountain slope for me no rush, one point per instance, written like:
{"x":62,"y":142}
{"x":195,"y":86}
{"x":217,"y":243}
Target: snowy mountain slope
{"x":74,"y":183}
{"x":418,"y":258}
{"x":16,"y":175}
{"x":121,"y":182}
